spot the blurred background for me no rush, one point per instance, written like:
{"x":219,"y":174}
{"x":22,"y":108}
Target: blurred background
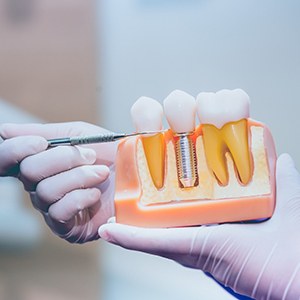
{"x":63,"y":60}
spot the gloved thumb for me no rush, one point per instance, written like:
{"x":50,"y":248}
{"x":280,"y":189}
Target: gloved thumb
{"x":173,"y":243}
{"x":287,"y":185}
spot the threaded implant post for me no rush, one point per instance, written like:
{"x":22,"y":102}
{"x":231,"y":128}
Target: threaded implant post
{"x":186,"y":160}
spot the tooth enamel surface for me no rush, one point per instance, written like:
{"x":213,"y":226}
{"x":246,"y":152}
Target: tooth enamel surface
{"x":225,"y":129}
{"x":180,"y":111}
{"x":147,"y":115}
{"x":222,"y":107}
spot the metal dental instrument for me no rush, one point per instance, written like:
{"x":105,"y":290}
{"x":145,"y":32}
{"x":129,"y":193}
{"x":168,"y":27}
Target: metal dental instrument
{"x":101,"y":138}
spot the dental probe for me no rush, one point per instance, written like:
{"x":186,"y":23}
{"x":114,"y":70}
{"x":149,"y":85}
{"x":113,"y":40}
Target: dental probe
{"x":101,"y":138}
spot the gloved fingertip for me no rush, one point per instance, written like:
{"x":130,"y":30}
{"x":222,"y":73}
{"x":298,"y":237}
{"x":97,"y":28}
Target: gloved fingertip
{"x":44,"y":143}
{"x":116,"y":233}
{"x":103,"y":171}
{"x":104,"y":233}
{"x":34,"y":144}
{"x":285,"y":159}
{"x":4,"y":130}
{"x":287,"y":177}
{"x":285,"y":165}
{"x":94,"y":193}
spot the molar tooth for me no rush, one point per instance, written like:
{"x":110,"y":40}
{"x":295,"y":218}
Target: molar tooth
{"x":223,"y":107}
{"x":147,"y":115}
{"x":225,"y":129}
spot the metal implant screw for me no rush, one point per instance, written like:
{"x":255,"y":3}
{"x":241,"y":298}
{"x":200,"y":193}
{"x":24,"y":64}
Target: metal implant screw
{"x":186,"y":160}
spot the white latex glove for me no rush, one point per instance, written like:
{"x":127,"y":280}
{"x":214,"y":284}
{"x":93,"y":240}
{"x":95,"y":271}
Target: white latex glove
{"x":259,"y":260}
{"x":72,"y":187}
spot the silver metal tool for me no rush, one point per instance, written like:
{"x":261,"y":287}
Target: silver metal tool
{"x":93,"y":139}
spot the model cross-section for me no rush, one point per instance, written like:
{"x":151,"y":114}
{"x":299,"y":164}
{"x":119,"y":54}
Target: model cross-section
{"x":222,"y":170}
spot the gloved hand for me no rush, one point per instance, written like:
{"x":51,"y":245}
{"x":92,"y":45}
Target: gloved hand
{"x":259,"y":260}
{"x":72,"y":187}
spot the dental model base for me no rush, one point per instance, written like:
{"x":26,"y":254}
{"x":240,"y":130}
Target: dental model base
{"x":222,"y":170}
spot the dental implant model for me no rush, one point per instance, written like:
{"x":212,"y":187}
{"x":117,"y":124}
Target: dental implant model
{"x":180,"y":110}
{"x":220,"y":171}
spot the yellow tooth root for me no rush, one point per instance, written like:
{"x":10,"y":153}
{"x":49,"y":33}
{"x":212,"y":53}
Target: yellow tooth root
{"x":154,"y":148}
{"x":215,"y":152}
{"x":233,"y":138}
{"x":235,"y":135}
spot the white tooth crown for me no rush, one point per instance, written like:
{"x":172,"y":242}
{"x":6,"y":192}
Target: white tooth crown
{"x":147,"y":114}
{"x":180,"y":110}
{"x":223,"y":107}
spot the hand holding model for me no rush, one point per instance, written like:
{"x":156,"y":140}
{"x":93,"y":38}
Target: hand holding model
{"x":66,"y":184}
{"x":250,"y":258}
{"x":260,"y":260}
{"x":73,"y":187}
